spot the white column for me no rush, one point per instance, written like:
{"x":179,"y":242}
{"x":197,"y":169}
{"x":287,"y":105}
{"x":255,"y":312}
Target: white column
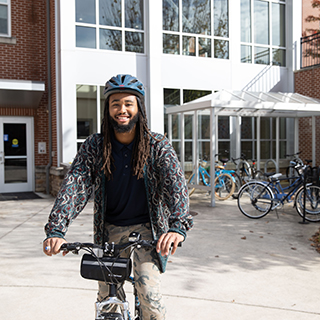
{"x":153,"y":34}
{"x":213,"y":152}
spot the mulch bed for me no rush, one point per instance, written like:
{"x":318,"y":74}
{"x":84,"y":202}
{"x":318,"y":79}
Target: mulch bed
{"x":316,"y":241}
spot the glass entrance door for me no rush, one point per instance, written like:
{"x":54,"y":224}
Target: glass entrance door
{"x":16,"y":154}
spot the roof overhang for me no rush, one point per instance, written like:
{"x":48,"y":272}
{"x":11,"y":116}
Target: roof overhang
{"x":253,"y":104}
{"x":21,"y":93}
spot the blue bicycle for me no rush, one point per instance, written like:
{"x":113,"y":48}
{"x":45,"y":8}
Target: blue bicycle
{"x":224,"y":183}
{"x":257,"y":198}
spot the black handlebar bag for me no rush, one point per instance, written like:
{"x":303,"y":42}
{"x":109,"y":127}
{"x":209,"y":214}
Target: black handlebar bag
{"x":107,"y":269}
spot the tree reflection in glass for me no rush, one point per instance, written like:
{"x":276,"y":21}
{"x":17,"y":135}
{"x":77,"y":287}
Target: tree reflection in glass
{"x":221,"y":19}
{"x":134,"y":14}
{"x":110,"y":39}
{"x":170,"y":15}
{"x":196,"y":16}
{"x":110,"y":13}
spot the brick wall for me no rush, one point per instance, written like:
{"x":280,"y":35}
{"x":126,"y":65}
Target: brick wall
{"x":307,"y":82}
{"x":26,"y":59}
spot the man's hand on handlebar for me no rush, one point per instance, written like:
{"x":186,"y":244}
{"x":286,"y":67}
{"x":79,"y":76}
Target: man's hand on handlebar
{"x":168,"y":239}
{"x":52,"y":246}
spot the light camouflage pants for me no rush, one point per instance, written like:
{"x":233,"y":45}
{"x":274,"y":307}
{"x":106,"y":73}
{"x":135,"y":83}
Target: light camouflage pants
{"x":145,"y":270}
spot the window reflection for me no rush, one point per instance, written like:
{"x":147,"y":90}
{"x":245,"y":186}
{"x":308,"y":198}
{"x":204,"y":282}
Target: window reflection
{"x":246,"y":20}
{"x":278,"y":25}
{"x":205,"y":47}
{"x":221,"y":49}
{"x":221,"y":19}
{"x":171,"y":43}
{"x":4,"y":19}
{"x":134,"y":14}
{"x":86,"y":11}
{"x":261,"y":22}
{"x":110,"y":13}
{"x":188,"y":48}
{"x":85,"y":37}
{"x":134,"y":42}
{"x":279,"y":57}
{"x":246,"y":55}
{"x":170,"y":15}
{"x":261,"y":55}
{"x":86,"y":110}
{"x":196,"y":16}
{"x":110,"y":39}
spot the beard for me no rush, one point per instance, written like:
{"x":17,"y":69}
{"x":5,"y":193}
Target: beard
{"x":122,"y":128}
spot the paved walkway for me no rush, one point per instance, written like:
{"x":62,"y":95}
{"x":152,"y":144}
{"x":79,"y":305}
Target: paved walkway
{"x":231,"y":267}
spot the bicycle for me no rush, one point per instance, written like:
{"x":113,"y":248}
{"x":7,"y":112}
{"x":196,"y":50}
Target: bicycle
{"x":224,"y":184}
{"x":243,"y":168}
{"x":292,"y":170}
{"x":103,"y":263}
{"x":257,"y":198}
{"x":246,"y":170}
{"x":236,"y":179}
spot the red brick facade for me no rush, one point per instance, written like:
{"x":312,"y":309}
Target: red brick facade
{"x":307,"y":82}
{"x":25,"y":58}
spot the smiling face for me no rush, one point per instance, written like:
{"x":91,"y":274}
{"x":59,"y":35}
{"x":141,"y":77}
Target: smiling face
{"x":123,"y":111}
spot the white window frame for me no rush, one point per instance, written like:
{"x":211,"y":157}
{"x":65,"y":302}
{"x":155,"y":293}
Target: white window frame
{"x":8,"y":4}
{"x":211,"y":37}
{"x":123,"y":29}
{"x":269,"y":46}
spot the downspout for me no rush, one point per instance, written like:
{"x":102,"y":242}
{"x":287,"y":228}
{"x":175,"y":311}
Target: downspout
{"x":49,"y":99}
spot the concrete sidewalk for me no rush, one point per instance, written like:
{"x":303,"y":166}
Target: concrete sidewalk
{"x":230,"y":267}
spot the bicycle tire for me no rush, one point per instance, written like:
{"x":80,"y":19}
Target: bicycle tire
{"x":244,"y":171}
{"x":238,"y":184}
{"x":223,"y":186}
{"x":255,"y":200}
{"x":312,"y":212}
{"x":190,"y":190}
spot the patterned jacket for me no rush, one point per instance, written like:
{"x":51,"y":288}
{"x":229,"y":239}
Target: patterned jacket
{"x":166,"y":190}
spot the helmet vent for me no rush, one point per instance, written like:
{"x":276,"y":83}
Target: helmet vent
{"x":122,"y":78}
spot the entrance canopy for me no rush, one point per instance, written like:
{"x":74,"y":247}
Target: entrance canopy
{"x":21,"y":93}
{"x":243,"y":104}
{"x":253,"y":104}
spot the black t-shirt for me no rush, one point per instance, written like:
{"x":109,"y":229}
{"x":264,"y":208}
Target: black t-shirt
{"x":126,"y":200}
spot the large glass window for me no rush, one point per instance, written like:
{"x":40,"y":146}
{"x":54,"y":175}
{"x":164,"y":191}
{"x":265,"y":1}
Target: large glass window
{"x":263,"y":29}
{"x":4,"y":17}
{"x":116,"y":25}
{"x":86,"y":110}
{"x":174,"y":97}
{"x":268,"y":131}
{"x":196,"y":28}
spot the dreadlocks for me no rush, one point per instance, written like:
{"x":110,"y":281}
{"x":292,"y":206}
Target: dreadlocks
{"x":141,"y":147}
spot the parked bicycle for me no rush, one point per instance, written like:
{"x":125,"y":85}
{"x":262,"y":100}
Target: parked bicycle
{"x":223,"y":184}
{"x":295,"y":165}
{"x":257,"y":198}
{"x":103,"y":263}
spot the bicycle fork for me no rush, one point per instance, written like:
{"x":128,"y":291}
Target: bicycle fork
{"x":105,"y":309}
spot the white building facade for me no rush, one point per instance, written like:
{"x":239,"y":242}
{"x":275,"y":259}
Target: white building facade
{"x":180,"y":50}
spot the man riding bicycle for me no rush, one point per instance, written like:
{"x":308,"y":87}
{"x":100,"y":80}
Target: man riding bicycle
{"x":138,"y":185}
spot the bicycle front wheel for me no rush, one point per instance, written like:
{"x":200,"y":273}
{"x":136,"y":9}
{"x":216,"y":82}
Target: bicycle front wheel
{"x":255,"y":200}
{"x":223,"y":186}
{"x":312,"y":203}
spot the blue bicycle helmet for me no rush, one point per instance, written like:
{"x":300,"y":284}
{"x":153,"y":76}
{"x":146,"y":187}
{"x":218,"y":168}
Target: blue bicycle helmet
{"x":124,"y":83}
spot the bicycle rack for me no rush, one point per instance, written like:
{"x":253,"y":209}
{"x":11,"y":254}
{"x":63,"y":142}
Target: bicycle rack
{"x":266,"y":165}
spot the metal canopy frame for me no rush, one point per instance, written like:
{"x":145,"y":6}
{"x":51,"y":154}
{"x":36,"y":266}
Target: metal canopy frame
{"x":242,"y":104}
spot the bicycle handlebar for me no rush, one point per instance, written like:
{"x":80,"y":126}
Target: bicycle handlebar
{"x":294,"y":154}
{"x":111,"y":248}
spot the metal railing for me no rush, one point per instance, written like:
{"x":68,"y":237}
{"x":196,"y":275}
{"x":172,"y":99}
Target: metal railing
{"x":310,"y":51}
